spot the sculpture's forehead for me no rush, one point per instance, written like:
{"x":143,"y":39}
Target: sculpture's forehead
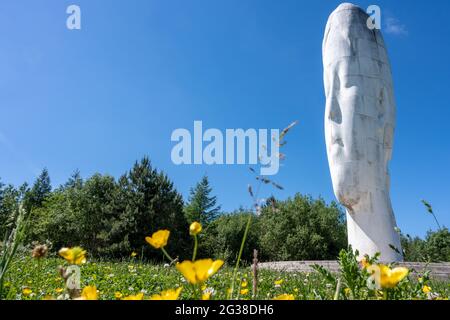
{"x":347,"y":38}
{"x":347,"y":26}
{"x":349,"y":15}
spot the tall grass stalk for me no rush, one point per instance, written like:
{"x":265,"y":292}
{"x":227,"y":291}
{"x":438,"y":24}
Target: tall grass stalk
{"x":236,"y":267}
{"x":261,"y":179}
{"x":13,"y":238}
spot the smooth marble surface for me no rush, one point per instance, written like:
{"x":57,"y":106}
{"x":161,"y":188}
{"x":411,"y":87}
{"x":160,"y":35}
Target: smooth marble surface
{"x":359,"y":129}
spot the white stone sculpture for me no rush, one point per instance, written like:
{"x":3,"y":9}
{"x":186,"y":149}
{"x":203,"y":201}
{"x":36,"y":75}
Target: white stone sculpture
{"x":359,"y":128}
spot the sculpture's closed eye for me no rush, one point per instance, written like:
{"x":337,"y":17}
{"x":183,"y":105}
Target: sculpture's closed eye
{"x":335,"y":112}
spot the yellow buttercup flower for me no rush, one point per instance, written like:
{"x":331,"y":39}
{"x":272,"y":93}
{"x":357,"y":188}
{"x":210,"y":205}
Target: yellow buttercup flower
{"x":426,"y":289}
{"x":285,"y":297}
{"x":244,"y":284}
{"x":206,"y":296}
{"x":364,"y":263}
{"x":278,"y":282}
{"x":386,"y":277}
{"x":195,"y":228}
{"x":200,"y":270}
{"x":158,"y":239}
{"x":118,"y":295}
{"x":75,"y":255}
{"x":59,"y":290}
{"x":347,"y":291}
{"x":27,"y":291}
{"x":139,"y":296}
{"x":133,"y":254}
{"x":89,"y":293}
{"x":244,"y":292}
{"x":167,"y":295}
{"x":391,"y":277}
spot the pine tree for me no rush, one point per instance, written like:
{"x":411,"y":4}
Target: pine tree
{"x":146,"y":201}
{"x":40,"y":190}
{"x":202,"y":206}
{"x":75,"y":181}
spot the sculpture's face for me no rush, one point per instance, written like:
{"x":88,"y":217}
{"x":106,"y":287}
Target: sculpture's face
{"x":360,"y":108}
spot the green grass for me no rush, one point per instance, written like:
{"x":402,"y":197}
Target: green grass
{"x":131,"y":277}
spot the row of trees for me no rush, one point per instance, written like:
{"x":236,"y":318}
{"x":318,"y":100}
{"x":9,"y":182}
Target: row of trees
{"x":299,"y":228}
{"x":105,"y":216}
{"x":111,"y":217}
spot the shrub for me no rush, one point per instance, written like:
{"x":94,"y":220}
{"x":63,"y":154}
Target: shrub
{"x":437,"y":245}
{"x":301,"y":228}
{"x":222,"y":237}
{"x":434,"y":248}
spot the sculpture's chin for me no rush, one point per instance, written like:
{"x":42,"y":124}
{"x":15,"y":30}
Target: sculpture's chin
{"x":343,"y":185}
{"x":349,"y":189}
{"x":353,"y":187}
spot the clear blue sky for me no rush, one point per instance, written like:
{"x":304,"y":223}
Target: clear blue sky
{"x":99,"y":98}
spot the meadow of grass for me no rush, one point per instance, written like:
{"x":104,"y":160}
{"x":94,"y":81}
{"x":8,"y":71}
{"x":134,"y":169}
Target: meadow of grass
{"x":36,"y":279}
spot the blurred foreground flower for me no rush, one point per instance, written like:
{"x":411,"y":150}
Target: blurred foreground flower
{"x":158,"y":239}
{"x":167,"y":295}
{"x":200,"y":270}
{"x":426,"y":289}
{"x":89,"y":293}
{"x":75,"y":255}
{"x":385,"y":277}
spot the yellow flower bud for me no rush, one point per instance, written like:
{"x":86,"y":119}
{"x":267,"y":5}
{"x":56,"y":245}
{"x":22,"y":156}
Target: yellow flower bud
{"x":195,"y":228}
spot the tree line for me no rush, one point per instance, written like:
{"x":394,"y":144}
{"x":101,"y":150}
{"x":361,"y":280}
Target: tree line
{"x":111,"y":217}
